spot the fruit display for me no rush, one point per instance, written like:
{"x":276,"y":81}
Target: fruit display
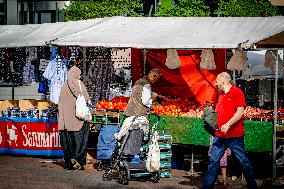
{"x":178,"y":107}
{"x":261,"y":114}
{"x":117,"y":103}
{"x":185,"y":107}
{"x":173,"y":107}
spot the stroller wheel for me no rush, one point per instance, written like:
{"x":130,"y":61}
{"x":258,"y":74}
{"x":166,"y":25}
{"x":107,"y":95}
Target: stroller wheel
{"x":124,"y":174}
{"x":100,"y":166}
{"x":107,"y":175}
{"x":156,"y":177}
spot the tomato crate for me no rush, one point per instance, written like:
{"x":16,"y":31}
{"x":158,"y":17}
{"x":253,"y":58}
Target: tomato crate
{"x":162,"y":137}
{"x":165,"y":160}
{"x":165,"y":155}
{"x":106,"y":117}
{"x":165,"y":172}
{"x":165,"y":165}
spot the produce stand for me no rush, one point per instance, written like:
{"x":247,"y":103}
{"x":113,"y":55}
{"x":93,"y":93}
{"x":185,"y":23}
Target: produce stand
{"x":190,"y":130}
{"x":185,"y":130}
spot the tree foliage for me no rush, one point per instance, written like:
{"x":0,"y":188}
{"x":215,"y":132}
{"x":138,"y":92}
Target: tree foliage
{"x":246,"y":8}
{"x":79,"y":10}
{"x":185,"y":8}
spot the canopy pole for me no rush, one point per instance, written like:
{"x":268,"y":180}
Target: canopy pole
{"x":84,"y":65}
{"x":155,"y":6}
{"x":275,"y":115}
{"x":13,"y":91}
{"x":144,"y":62}
{"x":234,"y":76}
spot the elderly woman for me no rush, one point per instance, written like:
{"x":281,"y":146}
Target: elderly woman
{"x":74,"y":132}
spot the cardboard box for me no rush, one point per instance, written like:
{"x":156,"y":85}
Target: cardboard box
{"x":9,"y":104}
{"x":27,"y":104}
{"x":4,"y":104}
{"x":91,"y":154}
{"x":43,"y":104}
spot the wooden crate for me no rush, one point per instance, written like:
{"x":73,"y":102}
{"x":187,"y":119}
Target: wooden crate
{"x":4,"y":104}
{"x":102,"y":113}
{"x":27,"y":104}
{"x":105,"y":117}
{"x":99,"y":113}
{"x":43,"y":104}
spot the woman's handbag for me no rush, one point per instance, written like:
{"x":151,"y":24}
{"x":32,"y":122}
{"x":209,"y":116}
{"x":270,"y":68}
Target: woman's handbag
{"x":82,"y":110}
{"x":153,"y":158}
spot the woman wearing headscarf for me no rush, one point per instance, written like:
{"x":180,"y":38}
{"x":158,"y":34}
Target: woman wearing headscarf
{"x":74,"y":132}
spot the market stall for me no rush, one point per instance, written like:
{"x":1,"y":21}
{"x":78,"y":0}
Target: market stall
{"x":156,"y":34}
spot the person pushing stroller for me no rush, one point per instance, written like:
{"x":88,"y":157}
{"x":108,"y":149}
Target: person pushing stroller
{"x":128,"y":157}
{"x":139,"y":103}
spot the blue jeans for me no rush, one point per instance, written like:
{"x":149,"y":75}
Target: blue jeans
{"x":219,"y":146}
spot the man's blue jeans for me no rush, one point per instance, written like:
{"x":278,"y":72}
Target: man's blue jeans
{"x":219,"y":146}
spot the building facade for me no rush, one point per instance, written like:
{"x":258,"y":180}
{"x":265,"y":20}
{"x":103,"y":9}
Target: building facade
{"x":18,"y":12}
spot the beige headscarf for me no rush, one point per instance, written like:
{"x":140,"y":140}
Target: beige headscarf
{"x":73,"y":78}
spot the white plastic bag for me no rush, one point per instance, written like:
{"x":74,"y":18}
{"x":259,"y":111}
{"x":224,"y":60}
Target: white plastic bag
{"x":82,"y":111}
{"x":153,"y":158}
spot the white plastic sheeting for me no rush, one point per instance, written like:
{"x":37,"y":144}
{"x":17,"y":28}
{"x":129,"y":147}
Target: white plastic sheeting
{"x":146,"y":32}
{"x":177,"y":32}
{"x":39,"y":34}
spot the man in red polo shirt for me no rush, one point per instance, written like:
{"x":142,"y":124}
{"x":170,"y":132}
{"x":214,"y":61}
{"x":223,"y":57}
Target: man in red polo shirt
{"x":230,"y":134}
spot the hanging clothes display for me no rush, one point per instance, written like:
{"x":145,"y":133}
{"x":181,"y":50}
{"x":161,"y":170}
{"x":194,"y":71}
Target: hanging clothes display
{"x":53,"y":52}
{"x":56,"y":72}
{"x":100,"y":71}
{"x":43,"y":53}
{"x":19,"y":60}
{"x":74,"y":54}
{"x":2,"y":64}
{"x":7,"y":74}
{"x":29,"y":68}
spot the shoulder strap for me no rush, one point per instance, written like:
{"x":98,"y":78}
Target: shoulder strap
{"x":80,"y":86}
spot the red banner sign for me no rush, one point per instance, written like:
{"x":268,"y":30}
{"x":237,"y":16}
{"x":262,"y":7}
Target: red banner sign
{"x":29,"y":136}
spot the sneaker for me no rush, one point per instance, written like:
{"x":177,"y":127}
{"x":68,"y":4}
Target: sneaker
{"x":75,"y":164}
{"x":225,"y":182}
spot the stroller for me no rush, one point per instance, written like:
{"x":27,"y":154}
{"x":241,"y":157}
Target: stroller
{"x":129,"y":157}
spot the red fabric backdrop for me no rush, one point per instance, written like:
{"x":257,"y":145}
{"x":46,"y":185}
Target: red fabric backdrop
{"x":189,"y":81}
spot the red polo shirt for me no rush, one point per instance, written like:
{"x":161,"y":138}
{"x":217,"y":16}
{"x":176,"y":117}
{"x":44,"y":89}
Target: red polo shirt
{"x":226,"y":107}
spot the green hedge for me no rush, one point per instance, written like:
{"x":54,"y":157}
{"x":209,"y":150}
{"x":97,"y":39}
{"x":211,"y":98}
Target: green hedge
{"x":190,"y":130}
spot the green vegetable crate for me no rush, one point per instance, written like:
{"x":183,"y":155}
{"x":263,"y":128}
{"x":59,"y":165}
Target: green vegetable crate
{"x":165,"y":144}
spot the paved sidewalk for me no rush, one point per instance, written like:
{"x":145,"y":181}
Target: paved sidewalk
{"x":31,"y":172}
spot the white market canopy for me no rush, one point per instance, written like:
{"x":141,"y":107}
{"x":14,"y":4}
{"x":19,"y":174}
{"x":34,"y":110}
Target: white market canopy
{"x":150,"y":32}
{"x":178,"y":32}
{"x":39,"y":34}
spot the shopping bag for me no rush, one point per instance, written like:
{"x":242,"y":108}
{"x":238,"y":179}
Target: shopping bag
{"x":153,"y":158}
{"x":82,"y":110}
{"x":210,"y":120}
